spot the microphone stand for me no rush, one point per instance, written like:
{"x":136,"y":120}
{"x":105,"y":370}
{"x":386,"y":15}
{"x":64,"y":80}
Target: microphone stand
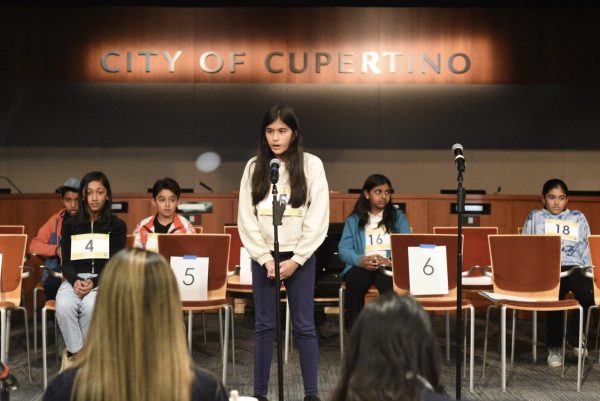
{"x":278,"y":209}
{"x":460,"y":206}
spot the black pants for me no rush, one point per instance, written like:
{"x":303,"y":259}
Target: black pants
{"x":358,"y":282}
{"x":582,"y":289}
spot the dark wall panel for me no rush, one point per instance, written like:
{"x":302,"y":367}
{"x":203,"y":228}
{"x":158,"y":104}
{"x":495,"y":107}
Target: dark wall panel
{"x":332,"y":116}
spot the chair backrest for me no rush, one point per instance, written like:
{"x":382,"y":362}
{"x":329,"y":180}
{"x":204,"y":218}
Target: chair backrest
{"x":129,"y":241}
{"x":400,"y":245}
{"x":199,"y":229}
{"x":526,"y":265}
{"x":476,"y":251}
{"x":12,"y":229}
{"x":213,"y":246}
{"x":594,"y":241}
{"x":234,"y":249}
{"x":12,"y":249}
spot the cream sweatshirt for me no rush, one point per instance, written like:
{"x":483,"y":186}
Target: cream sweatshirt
{"x":302,"y":230}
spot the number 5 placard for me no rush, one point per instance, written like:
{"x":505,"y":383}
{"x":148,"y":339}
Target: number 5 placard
{"x":428,"y":270}
{"x":191,"y":273}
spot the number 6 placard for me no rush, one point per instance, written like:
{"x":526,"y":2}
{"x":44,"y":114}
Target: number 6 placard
{"x":428,"y":270}
{"x":191,"y":273}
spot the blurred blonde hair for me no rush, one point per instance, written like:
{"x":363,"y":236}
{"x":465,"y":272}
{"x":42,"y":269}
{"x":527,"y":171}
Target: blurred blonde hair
{"x":136,"y":349}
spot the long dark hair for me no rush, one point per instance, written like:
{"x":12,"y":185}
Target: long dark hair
{"x":392,"y":354}
{"x":294,"y":158}
{"x":554,"y":183}
{"x":362,"y":206}
{"x":83,"y":213}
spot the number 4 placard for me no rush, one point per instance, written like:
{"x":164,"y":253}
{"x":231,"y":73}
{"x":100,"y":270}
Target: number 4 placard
{"x":191,"y":273}
{"x":428,"y":270}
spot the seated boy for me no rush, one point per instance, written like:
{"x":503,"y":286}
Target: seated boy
{"x":46,"y":243}
{"x":165,"y":198}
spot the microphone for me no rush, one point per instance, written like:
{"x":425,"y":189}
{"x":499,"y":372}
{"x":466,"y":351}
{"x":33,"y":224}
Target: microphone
{"x":459,"y":158}
{"x":203,"y":185}
{"x":274,"y":165}
{"x":11,"y":183}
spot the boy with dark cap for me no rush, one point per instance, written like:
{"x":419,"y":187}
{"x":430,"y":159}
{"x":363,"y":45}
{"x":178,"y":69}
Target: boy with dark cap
{"x":46,"y":244}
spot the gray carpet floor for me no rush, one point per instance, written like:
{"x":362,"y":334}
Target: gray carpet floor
{"x":526,"y":380}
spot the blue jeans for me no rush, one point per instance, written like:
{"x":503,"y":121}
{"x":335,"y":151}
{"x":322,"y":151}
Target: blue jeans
{"x":300,"y":289}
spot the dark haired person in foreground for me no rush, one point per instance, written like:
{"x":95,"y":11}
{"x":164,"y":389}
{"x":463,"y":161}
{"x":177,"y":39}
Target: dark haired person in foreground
{"x":392,"y":355}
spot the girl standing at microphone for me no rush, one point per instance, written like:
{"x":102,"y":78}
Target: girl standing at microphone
{"x":304,"y":226}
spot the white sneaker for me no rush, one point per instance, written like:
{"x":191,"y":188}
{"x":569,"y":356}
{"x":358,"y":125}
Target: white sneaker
{"x":66,"y":361}
{"x":576,"y":352}
{"x":554,"y":358}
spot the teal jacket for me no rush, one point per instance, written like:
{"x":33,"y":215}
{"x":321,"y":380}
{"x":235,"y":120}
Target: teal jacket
{"x":352,"y":244}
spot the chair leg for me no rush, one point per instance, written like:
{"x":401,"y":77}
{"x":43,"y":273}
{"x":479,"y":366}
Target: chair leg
{"x":341,"y":307}
{"x":232,"y":340}
{"x":562,"y":373}
{"x":447,"y":317}
{"x":225,"y":340}
{"x":7,"y":337}
{"x":55,"y":338}
{"x":3,"y":335}
{"x":27,"y":340}
{"x":221,"y":328}
{"x":44,"y":345}
{"x":503,"y":345}
{"x":580,"y":353}
{"x":287,"y":333}
{"x":514,"y":329}
{"x":485,"y":338}
{"x":472,"y":350}
{"x":189,"y":331}
{"x":465,"y":345}
{"x":597,"y":334}
{"x":204,"y":326}
{"x":35,"y":347}
{"x":534,"y":335}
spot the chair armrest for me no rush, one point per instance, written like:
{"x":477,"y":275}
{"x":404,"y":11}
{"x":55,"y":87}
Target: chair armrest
{"x":467,"y":273}
{"x":27,"y":271}
{"x":386,"y":270}
{"x":52,"y":273}
{"x":573,"y":269}
{"x":487,"y":271}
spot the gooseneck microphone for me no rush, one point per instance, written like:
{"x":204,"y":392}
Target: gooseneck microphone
{"x":459,"y":158}
{"x":274,"y":170}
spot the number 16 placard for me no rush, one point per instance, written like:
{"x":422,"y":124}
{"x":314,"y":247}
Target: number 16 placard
{"x":191,"y":273}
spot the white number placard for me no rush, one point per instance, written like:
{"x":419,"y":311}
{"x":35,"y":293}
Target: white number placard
{"x":90,"y":246}
{"x":377,"y":241}
{"x":428,"y":270}
{"x":568,"y":230}
{"x":191,"y":273}
{"x":245,"y":267}
{"x":152,"y":242}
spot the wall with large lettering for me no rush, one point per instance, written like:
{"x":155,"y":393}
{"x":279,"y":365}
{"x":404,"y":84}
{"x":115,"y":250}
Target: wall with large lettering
{"x":127,"y":88}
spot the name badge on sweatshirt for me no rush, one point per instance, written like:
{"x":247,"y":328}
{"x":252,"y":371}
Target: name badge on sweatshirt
{"x":265,"y":207}
{"x":90,"y":246}
{"x":568,"y":230}
{"x":152,"y":242}
{"x":377,"y":241}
